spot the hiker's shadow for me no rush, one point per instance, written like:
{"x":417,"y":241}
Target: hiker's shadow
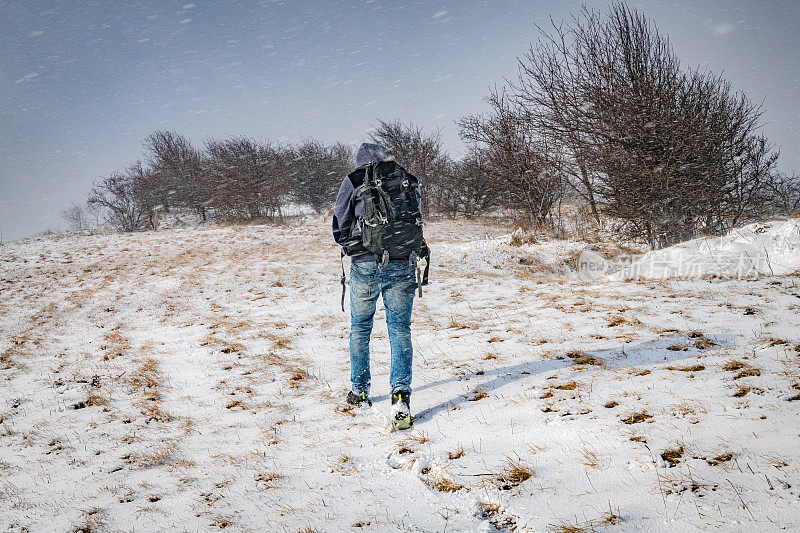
{"x":630,"y":355}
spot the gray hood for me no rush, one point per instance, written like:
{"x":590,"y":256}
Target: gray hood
{"x":369,"y":153}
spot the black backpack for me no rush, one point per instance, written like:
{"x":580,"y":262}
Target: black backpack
{"x":388,"y":219}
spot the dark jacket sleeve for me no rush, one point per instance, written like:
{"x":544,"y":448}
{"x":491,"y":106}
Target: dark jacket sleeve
{"x":343,"y":211}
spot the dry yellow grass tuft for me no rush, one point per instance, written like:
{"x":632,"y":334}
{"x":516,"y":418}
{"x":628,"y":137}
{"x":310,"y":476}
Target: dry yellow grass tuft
{"x":158,"y":456}
{"x":345,"y":409}
{"x":456,"y":323}
{"x":419,"y":438}
{"x":298,"y":376}
{"x":95,"y":398}
{"x":673,"y":456}
{"x":146,"y":382}
{"x":490,"y":509}
{"x":734,"y":365}
{"x":772,"y":341}
{"x":523,"y":235}
{"x":582,"y":358}
{"x":722,"y":458}
{"x":611,"y":517}
{"x":478,"y":395}
{"x":442,"y":484}
{"x":637,"y":417}
{"x":616,"y":321}
{"x":514,"y":472}
{"x":748,"y":372}
{"x":456,"y":454}
{"x":235,"y":404}
{"x":688,"y":368}
{"x":570,"y":385}
{"x":344,"y":464}
{"x":117,"y":345}
{"x":742,"y":391}
{"x":222,"y":521}
{"x":147,"y":375}
{"x":590,"y":458}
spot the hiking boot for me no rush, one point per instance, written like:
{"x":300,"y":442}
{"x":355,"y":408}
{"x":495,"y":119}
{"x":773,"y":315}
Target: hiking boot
{"x":401,"y":411}
{"x":358,"y":399}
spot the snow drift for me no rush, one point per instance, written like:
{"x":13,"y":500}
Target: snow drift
{"x":763,"y":248}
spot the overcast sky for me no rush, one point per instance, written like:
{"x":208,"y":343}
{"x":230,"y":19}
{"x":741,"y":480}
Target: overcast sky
{"x":82,"y":83}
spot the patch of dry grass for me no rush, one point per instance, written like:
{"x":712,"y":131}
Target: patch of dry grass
{"x":570,"y":385}
{"x":615,"y":321}
{"x":748,"y":372}
{"x":582,"y":358}
{"x":773,"y":341}
{"x":719,"y":459}
{"x":741,"y":391}
{"x":419,"y":438}
{"x":688,"y":368}
{"x":158,"y":456}
{"x":590,"y":458}
{"x":732,"y":366}
{"x":457,"y":324}
{"x":456,"y":454}
{"x":146,"y":382}
{"x":523,"y":235}
{"x":344,"y":464}
{"x":146,"y":376}
{"x":117,"y":344}
{"x":637,"y":417}
{"x":439,"y":482}
{"x":513,"y":473}
{"x":673,"y":456}
{"x":608,"y":518}
{"x":298,"y":376}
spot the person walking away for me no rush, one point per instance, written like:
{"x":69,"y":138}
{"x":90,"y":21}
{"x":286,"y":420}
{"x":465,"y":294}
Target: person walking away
{"x":378,"y":223}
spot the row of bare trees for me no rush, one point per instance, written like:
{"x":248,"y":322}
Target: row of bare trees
{"x":236,"y":179}
{"x":241,"y":179}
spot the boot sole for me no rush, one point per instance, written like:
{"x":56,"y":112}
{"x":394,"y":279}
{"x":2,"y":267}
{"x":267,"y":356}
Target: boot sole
{"x":404,"y":424}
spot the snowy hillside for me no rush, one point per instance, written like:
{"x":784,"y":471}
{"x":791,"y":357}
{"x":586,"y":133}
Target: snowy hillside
{"x":192,"y":380}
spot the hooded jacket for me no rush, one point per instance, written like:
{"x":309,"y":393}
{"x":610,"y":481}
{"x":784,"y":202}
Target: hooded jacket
{"x":344,"y":211}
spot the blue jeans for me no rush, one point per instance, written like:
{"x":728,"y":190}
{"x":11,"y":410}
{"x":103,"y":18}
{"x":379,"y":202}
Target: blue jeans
{"x":396,"y":283}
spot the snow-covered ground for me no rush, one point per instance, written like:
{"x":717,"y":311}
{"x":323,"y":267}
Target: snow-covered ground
{"x":192,"y":379}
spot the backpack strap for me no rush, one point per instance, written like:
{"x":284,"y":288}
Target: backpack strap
{"x":344,"y":283}
{"x":427,"y":257}
{"x":413,"y":261}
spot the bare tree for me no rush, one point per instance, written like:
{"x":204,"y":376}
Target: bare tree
{"x":468,"y":188}
{"x":120,"y":194}
{"x":178,"y":176}
{"x":512,"y":151}
{"x":75,"y":216}
{"x":248,"y":179}
{"x":785,"y":194}
{"x":316,"y":170}
{"x":667,"y":152}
